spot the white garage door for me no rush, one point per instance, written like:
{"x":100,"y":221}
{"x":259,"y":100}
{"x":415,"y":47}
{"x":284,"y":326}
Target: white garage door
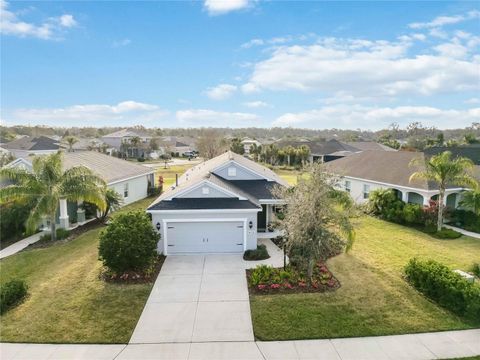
{"x":205,"y":237}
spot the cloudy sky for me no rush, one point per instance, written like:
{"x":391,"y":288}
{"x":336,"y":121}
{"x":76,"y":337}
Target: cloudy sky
{"x":240,"y":63}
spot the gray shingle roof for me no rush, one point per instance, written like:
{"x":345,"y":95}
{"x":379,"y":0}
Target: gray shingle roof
{"x":110,"y":168}
{"x":203,"y":203}
{"x":31,"y":143}
{"x":391,"y":167}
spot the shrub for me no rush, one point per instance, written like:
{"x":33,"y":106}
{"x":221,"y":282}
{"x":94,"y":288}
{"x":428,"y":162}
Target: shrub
{"x":12,"y":293}
{"x":466,"y":219}
{"x":447,"y":288}
{"x":385,"y":204}
{"x":260,"y":253}
{"x":446,"y":234}
{"x":61,"y":234}
{"x":413,"y":214}
{"x":12,"y":221}
{"x":128,"y":243}
{"x":141,"y":159}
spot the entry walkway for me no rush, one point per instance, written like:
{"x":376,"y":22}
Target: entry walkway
{"x":20,"y":245}
{"x":463,"y":231}
{"x":441,"y":345}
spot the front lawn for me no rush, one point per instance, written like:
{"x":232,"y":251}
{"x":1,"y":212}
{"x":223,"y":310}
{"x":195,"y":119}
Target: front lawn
{"x":374,"y":299}
{"x":67,"y":301}
{"x":169,"y":173}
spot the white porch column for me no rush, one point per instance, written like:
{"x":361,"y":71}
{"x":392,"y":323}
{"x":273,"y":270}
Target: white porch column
{"x":426,"y":200}
{"x":63,"y":214}
{"x":405,"y":196}
{"x":80,"y":212}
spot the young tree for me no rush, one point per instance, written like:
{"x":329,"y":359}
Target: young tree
{"x":47,"y":184}
{"x":70,"y":141}
{"x":113,"y":201}
{"x":443,"y":170}
{"x":317,"y":217}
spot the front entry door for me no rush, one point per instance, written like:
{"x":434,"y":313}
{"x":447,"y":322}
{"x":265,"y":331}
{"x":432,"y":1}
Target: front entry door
{"x":262,"y":219}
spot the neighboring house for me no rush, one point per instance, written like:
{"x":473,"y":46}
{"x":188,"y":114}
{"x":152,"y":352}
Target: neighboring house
{"x":248,"y":143}
{"x":121,"y":141}
{"x":130,"y":180}
{"x":32,"y":145}
{"x":178,"y":145}
{"x":325,"y":151}
{"x":219,"y":206}
{"x":366,"y":171}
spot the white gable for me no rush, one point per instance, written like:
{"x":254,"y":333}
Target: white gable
{"x":206,"y":189}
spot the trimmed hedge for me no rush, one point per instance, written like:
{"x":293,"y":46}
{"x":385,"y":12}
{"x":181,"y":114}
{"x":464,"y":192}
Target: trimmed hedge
{"x":11,"y":294}
{"x":128,"y":243}
{"x":61,"y":234}
{"x":260,"y":253}
{"x":447,"y":288}
{"x":446,"y":233}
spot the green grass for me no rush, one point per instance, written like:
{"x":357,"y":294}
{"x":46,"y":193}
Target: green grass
{"x":374,"y":299}
{"x":67,"y":301}
{"x":169,"y":173}
{"x":290,"y":175}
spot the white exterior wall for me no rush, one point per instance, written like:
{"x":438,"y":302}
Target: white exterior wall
{"x":137,"y":188}
{"x":356,"y":191}
{"x":214,"y":215}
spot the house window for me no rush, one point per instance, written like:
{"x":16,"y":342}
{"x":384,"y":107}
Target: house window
{"x":348,"y":186}
{"x":232,"y":171}
{"x":125,"y":190}
{"x":366,"y":191}
{"x":205,"y":190}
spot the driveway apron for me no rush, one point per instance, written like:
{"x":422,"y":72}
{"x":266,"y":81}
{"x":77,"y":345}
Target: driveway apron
{"x":198,"y":298}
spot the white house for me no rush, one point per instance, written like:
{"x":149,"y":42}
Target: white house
{"x":130,"y":180}
{"x":363,"y":172}
{"x":219,"y":206}
{"x":248,"y":143}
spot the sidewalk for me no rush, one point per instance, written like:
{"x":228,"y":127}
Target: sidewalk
{"x":440,"y":345}
{"x":463,"y":231}
{"x":20,"y":245}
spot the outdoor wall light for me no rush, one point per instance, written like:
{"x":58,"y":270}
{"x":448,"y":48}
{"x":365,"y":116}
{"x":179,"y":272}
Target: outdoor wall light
{"x":250,"y":224}
{"x":158,"y":226}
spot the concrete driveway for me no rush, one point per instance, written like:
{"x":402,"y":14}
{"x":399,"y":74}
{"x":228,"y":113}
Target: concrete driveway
{"x":200,"y":298}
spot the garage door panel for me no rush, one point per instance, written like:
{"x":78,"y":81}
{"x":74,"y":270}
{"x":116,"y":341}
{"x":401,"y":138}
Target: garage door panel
{"x":205,"y":237}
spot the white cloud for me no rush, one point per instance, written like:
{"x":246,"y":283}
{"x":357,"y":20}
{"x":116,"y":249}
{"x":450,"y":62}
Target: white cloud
{"x":446,"y":20}
{"x":251,"y":43}
{"x":121,"y":43}
{"x":358,"y":67}
{"x":51,"y":28}
{"x":451,"y":50}
{"x":89,"y":114}
{"x":205,"y":117}
{"x":256,"y":104}
{"x":472,"y":101}
{"x":368,"y":117}
{"x":219,"y":7}
{"x":221,"y":92}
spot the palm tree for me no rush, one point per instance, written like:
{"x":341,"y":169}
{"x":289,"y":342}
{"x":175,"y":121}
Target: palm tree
{"x":135,"y":141}
{"x":471,"y":200}
{"x":443,"y":170}
{"x":47,"y":184}
{"x":70,"y":140}
{"x":113,"y":201}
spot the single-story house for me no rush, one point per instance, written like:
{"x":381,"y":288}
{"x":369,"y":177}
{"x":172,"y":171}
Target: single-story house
{"x":32,"y":145}
{"x":363,"y":172}
{"x":130,"y":180}
{"x":222,"y":205}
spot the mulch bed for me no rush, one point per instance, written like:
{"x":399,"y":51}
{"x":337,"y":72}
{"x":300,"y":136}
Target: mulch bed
{"x":79,"y":230}
{"x":320,"y":283}
{"x":132,"y":277}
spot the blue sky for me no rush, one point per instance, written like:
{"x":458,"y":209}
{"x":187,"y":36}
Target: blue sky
{"x":240,"y":63}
